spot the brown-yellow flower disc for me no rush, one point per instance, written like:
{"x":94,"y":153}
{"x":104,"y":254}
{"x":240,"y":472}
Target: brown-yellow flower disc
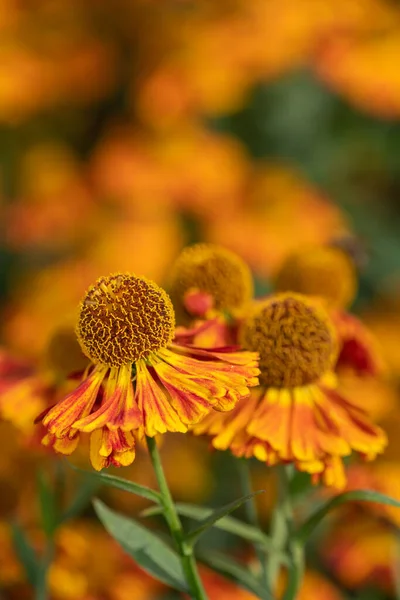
{"x":124,"y":318}
{"x":215,"y":271}
{"x":294,"y":337}
{"x":324,"y":271}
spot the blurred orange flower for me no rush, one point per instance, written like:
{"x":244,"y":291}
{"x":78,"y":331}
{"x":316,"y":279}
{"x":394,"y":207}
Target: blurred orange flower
{"x":275,"y":219}
{"x":364,"y":70}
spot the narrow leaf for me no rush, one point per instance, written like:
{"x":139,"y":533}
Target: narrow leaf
{"x":47,"y":501}
{"x":25,"y":553}
{"x":217,"y":514}
{"x":229,"y":524}
{"x":145,"y":547}
{"x":123,"y":484}
{"x":313,"y":521}
{"x":236,"y":572}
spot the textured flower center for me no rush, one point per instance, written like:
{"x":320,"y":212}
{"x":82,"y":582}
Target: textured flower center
{"x":215,"y":271}
{"x":319,"y":271}
{"x":124,"y":318}
{"x":295,"y":339}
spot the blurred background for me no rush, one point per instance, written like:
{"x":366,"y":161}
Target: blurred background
{"x":133,"y":128}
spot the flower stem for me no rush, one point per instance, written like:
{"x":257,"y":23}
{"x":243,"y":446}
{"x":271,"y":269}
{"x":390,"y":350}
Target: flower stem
{"x":295,"y":548}
{"x":251,"y":513}
{"x":41,"y":591}
{"x":278,"y":532}
{"x":185,"y":550}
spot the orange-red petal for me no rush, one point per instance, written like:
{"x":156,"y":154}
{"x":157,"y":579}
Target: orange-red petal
{"x":78,"y":404}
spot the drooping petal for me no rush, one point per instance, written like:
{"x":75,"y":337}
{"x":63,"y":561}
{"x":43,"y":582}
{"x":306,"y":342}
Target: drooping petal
{"x":66,"y":445}
{"x":226,"y":379}
{"x":226,"y":427}
{"x":359,"y":349}
{"x":190,"y":401}
{"x":63,"y":416}
{"x":157,"y":413}
{"x":271,"y":421}
{"x":354,"y":425}
{"x":111,"y":448}
{"x":304,"y":428}
{"x":333,"y":473}
{"x":118,"y":409}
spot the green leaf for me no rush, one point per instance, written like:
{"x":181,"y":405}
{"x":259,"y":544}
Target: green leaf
{"x":145,"y":547}
{"x":88,"y":487}
{"x":123,"y":484}
{"x":25,"y":553}
{"x":313,"y":521}
{"x":236,"y":572}
{"x":193,"y":535}
{"x":48,"y":504}
{"x":229,"y":524}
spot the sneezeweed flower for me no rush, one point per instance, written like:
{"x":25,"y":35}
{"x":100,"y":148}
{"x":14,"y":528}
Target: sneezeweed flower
{"x":325,"y":271}
{"x":22,"y":391}
{"x":329,"y":273}
{"x":296,"y":415}
{"x":28,"y":387}
{"x":383,"y":477}
{"x":140,"y":382}
{"x":213,"y":286}
{"x":207,"y":277}
{"x":361,"y":553}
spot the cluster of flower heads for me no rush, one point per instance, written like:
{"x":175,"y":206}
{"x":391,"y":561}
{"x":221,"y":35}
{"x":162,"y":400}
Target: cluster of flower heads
{"x":304,"y":340}
{"x":146,"y":376}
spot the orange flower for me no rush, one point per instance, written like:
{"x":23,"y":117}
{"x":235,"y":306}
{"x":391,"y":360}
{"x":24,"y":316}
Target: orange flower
{"x":383,"y":477}
{"x":297,"y":415}
{"x":275,"y":219}
{"x":362,"y":552}
{"x":140,"y":382}
{"x":207,"y":279}
{"x":329,"y":273}
{"x":26,"y":389}
{"x":364,"y":69}
{"x":324,"y":271}
{"x":22,"y":391}
{"x":214,"y":285}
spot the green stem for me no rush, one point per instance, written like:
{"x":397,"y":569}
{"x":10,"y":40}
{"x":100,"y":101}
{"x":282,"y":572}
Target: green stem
{"x":41,"y":591}
{"x":296,"y":570}
{"x":295,"y":548}
{"x":185,"y":550}
{"x":278,"y":534}
{"x":251,"y":513}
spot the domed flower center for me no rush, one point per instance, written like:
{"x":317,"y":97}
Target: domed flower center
{"x":295,"y":339}
{"x":215,"y":271}
{"x":320,"y":271}
{"x":124,"y":318}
